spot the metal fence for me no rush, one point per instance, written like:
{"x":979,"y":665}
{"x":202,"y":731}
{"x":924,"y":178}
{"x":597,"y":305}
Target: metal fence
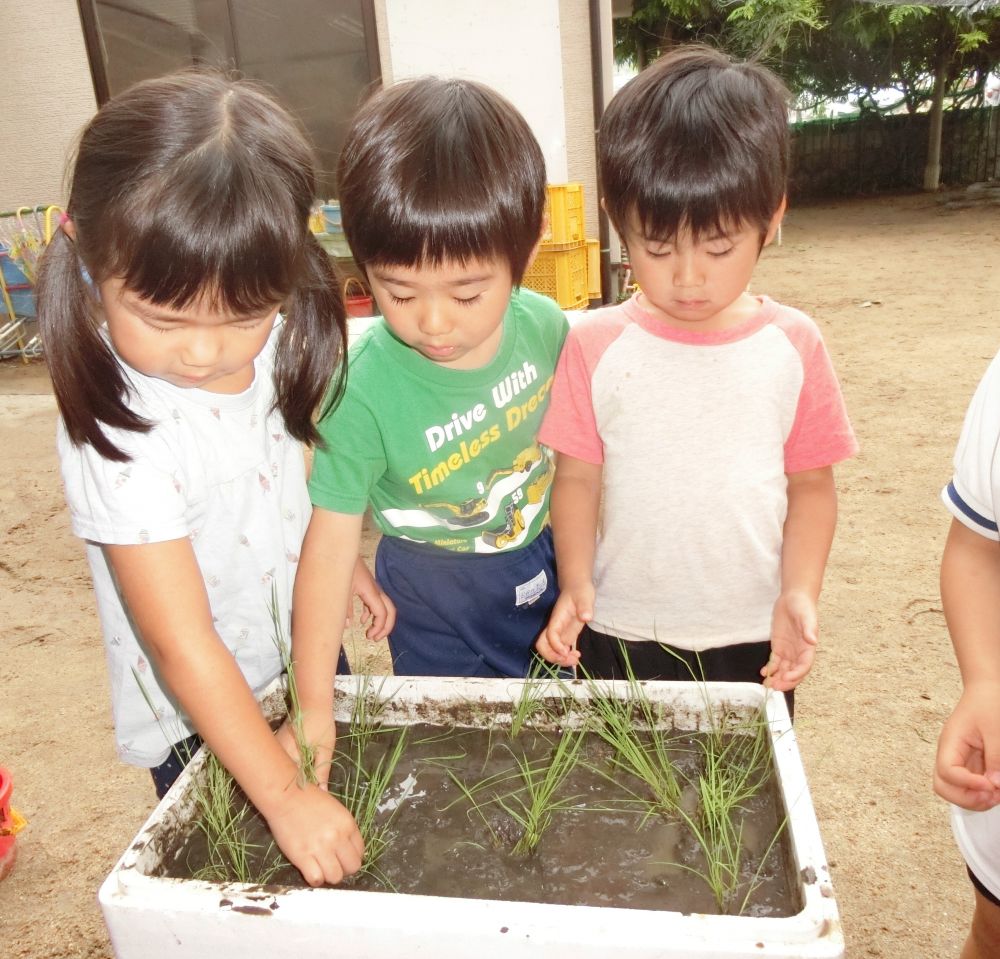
{"x":873,"y":154}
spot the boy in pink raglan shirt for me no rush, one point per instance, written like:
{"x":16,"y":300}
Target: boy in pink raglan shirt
{"x":696,"y":425}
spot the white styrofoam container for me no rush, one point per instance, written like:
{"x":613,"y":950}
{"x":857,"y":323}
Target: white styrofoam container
{"x":156,"y":918}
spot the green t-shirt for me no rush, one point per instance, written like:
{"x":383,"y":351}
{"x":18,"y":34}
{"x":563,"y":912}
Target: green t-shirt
{"x":445,"y":456}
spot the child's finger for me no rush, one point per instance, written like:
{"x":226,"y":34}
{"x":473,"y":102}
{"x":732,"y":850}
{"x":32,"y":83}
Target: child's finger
{"x":542,"y":647}
{"x":545,"y":648}
{"x":991,"y":760}
{"x":555,"y":644}
{"x":771,"y":666}
{"x":384,"y":621}
{"x":778,"y":675}
{"x":554,"y":633}
{"x":978,"y":800}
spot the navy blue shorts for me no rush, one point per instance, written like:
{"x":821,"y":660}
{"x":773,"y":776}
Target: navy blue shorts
{"x":466,"y":614}
{"x":167,"y":772}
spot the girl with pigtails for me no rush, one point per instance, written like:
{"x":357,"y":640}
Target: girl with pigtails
{"x":192,"y":327}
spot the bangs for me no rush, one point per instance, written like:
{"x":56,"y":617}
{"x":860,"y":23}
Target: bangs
{"x":439,"y":224}
{"x":707,"y":199}
{"x":190,"y":231}
{"x":441,"y":170}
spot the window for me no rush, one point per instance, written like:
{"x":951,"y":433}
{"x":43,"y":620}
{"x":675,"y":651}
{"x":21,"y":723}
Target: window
{"x":318,"y":56}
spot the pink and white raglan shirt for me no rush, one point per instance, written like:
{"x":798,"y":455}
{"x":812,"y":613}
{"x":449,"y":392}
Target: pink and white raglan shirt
{"x":696,"y":432}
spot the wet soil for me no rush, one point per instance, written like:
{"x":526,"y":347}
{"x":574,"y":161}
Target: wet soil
{"x":452,"y":819}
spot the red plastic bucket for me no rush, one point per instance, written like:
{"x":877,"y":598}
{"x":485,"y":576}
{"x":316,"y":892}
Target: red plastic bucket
{"x":357,"y":300}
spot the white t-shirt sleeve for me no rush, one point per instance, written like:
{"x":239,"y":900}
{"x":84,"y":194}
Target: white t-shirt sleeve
{"x":129,"y":503}
{"x":973,"y":494}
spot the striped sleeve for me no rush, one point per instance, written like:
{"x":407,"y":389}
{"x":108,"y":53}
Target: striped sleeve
{"x":974,"y":490}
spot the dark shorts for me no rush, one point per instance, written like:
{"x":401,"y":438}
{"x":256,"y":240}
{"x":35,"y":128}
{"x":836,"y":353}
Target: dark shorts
{"x":605,"y":657}
{"x":466,"y":614}
{"x":167,"y":772}
{"x":981,"y":889}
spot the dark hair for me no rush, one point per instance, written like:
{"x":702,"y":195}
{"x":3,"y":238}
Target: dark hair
{"x":697,"y":141}
{"x":436,"y":170}
{"x":186,"y":186}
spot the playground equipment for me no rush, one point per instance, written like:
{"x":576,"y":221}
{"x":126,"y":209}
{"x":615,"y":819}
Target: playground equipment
{"x":24,"y":234}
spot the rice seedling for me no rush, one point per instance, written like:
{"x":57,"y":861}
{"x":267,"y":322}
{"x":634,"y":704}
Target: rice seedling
{"x":367,"y":712}
{"x":532,"y":802}
{"x":733,"y":770}
{"x":735,"y":759}
{"x":362,"y":789}
{"x":735,"y":755}
{"x":534,"y":806}
{"x":642,"y":747}
{"x":223,"y":820}
{"x":307,"y":771}
{"x":542,"y":697}
{"x":471,"y":793}
{"x":527,"y":705}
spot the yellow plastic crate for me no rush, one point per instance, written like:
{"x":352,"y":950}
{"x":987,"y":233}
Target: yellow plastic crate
{"x":593,"y":269}
{"x":561,"y":274}
{"x":564,"y":207}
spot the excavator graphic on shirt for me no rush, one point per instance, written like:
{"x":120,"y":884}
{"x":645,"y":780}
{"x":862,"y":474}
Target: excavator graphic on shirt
{"x":504,"y":495}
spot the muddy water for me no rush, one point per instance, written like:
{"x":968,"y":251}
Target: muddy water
{"x":600,"y":848}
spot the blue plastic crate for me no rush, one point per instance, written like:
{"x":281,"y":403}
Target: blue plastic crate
{"x":13,"y":275}
{"x":20,"y":291}
{"x":23,"y":301}
{"x":331,"y":217}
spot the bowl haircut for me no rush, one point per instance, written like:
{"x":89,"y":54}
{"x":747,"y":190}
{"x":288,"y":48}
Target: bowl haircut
{"x":437,"y":170}
{"x":695,"y":142}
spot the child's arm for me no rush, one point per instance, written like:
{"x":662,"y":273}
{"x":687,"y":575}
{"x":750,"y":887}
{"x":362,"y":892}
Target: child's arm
{"x":328,"y":565}
{"x":379,"y":612}
{"x":806,"y":541}
{"x":163,"y":589}
{"x":576,"y":500}
{"x":967,"y":771}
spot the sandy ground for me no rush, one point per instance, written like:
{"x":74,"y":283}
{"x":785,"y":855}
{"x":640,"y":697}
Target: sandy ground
{"x":907,"y":293}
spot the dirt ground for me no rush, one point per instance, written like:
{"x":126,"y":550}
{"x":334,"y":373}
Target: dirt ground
{"x":907,"y":293}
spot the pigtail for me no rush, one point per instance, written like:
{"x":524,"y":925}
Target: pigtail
{"x":311,"y":355}
{"x":88,"y":382}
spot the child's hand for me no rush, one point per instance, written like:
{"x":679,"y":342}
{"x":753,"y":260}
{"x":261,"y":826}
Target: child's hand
{"x":319,"y":735}
{"x":794,"y":634}
{"x":967,"y":770}
{"x":317,"y":835}
{"x":557,"y":642}
{"x":379,"y":615}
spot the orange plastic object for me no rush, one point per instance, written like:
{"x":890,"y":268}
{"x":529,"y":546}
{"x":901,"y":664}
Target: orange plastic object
{"x":10,"y":823}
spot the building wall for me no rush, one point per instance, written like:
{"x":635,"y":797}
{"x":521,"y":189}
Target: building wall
{"x":578,"y":87}
{"x":47,"y":97}
{"x":609,"y":10}
{"x":384,"y":51}
{"x":513,"y":47}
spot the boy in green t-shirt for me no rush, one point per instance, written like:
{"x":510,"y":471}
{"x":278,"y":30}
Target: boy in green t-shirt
{"x":442,"y":190}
